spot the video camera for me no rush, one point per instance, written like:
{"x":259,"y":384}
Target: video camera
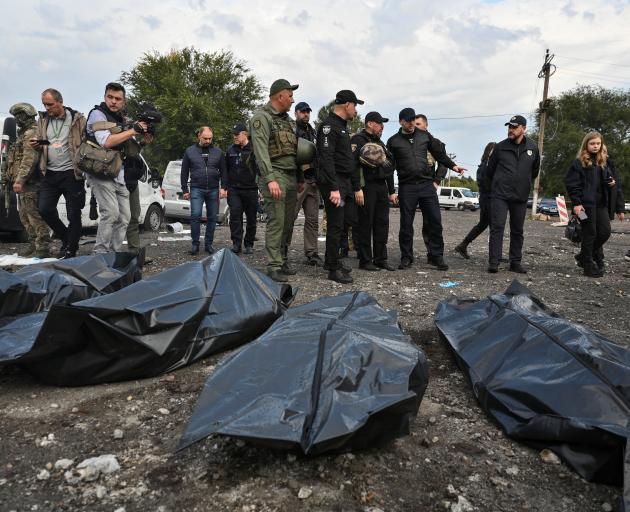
{"x":150,"y":115}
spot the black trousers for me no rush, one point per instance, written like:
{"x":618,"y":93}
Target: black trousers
{"x":243,"y":200}
{"x":484,"y":219}
{"x":424,"y":196}
{"x":54,"y":185}
{"x":338,"y":217}
{"x":498,"y":216}
{"x":595,"y":233}
{"x":374,"y":223}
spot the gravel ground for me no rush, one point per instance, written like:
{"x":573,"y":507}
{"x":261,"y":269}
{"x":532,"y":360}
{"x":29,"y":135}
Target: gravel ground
{"x":455,"y":459}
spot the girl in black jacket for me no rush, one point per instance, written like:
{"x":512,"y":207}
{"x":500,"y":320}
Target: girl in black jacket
{"x":593,"y":186}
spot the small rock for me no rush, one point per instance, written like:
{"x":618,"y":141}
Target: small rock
{"x":118,"y":434}
{"x":291,"y":458}
{"x":607,"y":507}
{"x":44,"y":474}
{"x":72,"y":478}
{"x":164,"y":411}
{"x":435,"y":439}
{"x":450,"y":490}
{"x":432,"y":420}
{"x":90,"y":469}
{"x":548,"y":457}
{"x":512,"y":471}
{"x":100,"y":492}
{"x":462,"y":505}
{"x":75,"y":409}
{"x":240,"y":443}
{"x":49,"y":466}
{"x":54,"y":406}
{"x":305,"y":493}
{"x":474,"y":478}
{"x":120,"y":509}
{"x":497,"y":481}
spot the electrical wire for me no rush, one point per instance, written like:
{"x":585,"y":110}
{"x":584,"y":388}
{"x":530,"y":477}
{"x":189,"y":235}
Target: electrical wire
{"x":605,"y":75}
{"x":593,"y":78}
{"x":478,"y":116}
{"x":595,"y":61}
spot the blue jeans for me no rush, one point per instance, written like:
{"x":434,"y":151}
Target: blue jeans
{"x":199,"y":196}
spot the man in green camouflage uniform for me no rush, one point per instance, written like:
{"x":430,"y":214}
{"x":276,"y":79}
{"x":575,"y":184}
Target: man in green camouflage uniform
{"x":275,"y":146}
{"x":24,"y":174}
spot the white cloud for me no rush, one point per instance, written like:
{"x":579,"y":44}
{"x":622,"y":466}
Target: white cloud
{"x":447,"y":59}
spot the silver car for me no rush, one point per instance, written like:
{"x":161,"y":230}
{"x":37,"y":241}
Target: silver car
{"x":175,"y":206}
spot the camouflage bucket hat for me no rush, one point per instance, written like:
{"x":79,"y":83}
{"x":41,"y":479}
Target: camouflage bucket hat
{"x":23,"y":108}
{"x":372,"y":155}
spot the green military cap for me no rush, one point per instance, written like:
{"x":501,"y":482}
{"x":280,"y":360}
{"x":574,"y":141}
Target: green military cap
{"x":25,"y":108}
{"x":281,"y":85}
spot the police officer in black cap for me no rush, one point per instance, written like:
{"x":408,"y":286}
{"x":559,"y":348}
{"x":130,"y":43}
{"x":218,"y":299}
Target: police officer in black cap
{"x":512,"y":167}
{"x":242,"y":191}
{"x":338,"y":179}
{"x":410,"y":147}
{"x":377,"y":168}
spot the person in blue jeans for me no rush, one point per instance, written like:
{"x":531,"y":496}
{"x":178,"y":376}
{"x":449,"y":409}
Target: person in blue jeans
{"x":204,"y":167}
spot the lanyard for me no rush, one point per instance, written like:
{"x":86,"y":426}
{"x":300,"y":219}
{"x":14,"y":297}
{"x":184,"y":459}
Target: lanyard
{"x":56,"y":132}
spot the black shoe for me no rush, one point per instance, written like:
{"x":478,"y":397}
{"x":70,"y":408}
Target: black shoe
{"x":342,"y":267}
{"x":248,"y":249}
{"x":599,"y":263}
{"x":592,"y":271}
{"x":518,"y":268}
{"x":314,"y":261}
{"x":209,"y":249}
{"x":493,"y":267}
{"x":69,"y":254}
{"x":287,"y":270}
{"x":236,"y":249}
{"x":278,"y":276}
{"x":627,"y":256}
{"x":578,"y":260}
{"x":462,"y":250}
{"x":404,"y":263}
{"x":386,"y":266}
{"x":62,"y":251}
{"x":369,"y":266}
{"x":438,"y":261}
{"x":340,"y":277}
{"x":503,"y":260}
{"x":343,"y":253}
{"x":194,"y":250}
{"x":148,"y":261}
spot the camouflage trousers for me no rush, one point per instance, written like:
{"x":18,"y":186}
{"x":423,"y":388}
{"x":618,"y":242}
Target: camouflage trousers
{"x":37,"y":230}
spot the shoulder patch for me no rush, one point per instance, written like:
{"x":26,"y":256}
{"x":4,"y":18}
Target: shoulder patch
{"x":326,"y":129}
{"x":256,"y":123}
{"x":354,"y":147}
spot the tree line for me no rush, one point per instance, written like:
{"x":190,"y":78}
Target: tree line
{"x":192,"y":88}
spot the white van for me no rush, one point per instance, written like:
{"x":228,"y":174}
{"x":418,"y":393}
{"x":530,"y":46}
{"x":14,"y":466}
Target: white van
{"x":151,"y":203}
{"x":457,"y":197}
{"x":175,"y":207}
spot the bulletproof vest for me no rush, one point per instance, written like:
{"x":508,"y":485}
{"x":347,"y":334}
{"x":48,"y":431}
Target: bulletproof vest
{"x":282,"y":139}
{"x":130,"y":148}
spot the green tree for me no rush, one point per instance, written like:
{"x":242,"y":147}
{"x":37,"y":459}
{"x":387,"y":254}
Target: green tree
{"x":569,"y":117}
{"x":191,"y":89}
{"x":354,"y":125}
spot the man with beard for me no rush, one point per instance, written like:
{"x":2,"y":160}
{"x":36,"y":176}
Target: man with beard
{"x":376,"y":164}
{"x":338,"y":179}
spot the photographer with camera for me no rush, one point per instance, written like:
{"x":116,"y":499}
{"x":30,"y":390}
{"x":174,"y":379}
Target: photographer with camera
{"x":106,"y":128}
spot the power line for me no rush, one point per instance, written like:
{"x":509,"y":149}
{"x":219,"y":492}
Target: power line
{"x":595,"y":61}
{"x":594,"y":74}
{"x":478,"y":116}
{"x":595,"y":78}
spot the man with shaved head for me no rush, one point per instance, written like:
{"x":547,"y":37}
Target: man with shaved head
{"x":279,"y":178}
{"x":205,"y":165}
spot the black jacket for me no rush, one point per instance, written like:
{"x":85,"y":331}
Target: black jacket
{"x":482,"y":179}
{"x":582,"y":183}
{"x":512,"y":168}
{"x":306,"y":131}
{"x":239,"y":175}
{"x":383,"y":172}
{"x":335,"y":154}
{"x":205,"y":173}
{"x":410,"y":156}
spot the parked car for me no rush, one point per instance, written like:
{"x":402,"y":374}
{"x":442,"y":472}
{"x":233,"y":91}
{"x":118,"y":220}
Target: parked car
{"x":457,"y":197}
{"x":548,"y":206}
{"x":178,"y":208}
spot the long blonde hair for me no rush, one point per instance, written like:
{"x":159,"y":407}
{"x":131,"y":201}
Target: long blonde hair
{"x":585,"y":156}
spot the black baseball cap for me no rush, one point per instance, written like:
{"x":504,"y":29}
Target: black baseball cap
{"x":376,"y":117}
{"x":302,"y":106}
{"x":407,"y":114}
{"x":517,"y":120}
{"x":280,"y":85}
{"x":347,"y":96}
{"x":238,"y":128}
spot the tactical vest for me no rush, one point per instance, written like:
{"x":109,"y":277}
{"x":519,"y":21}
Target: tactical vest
{"x":130,"y":148}
{"x":282,"y":139}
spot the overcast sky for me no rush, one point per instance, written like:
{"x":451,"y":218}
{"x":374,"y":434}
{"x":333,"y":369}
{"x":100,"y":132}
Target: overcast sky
{"x":447,"y":59}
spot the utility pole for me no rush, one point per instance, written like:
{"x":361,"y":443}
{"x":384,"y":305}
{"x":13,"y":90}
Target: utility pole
{"x":543,"y":105}
{"x":452,"y":157}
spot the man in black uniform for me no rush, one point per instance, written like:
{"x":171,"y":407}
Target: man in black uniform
{"x":242,"y":191}
{"x":376,"y":164}
{"x":512,"y":167}
{"x":338,"y":179}
{"x":410,"y":147}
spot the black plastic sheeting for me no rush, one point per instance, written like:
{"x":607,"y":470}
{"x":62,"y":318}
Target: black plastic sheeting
{"x":546,"y":381}
{"x":157,"y":325}
{"x":336,"y":372}
{"x":26,"y":295}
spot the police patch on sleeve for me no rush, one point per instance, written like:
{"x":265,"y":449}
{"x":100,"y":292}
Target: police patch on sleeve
{"x":326,"y":129}
{"x":354,"y":147}
{"x":256,"y":123}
